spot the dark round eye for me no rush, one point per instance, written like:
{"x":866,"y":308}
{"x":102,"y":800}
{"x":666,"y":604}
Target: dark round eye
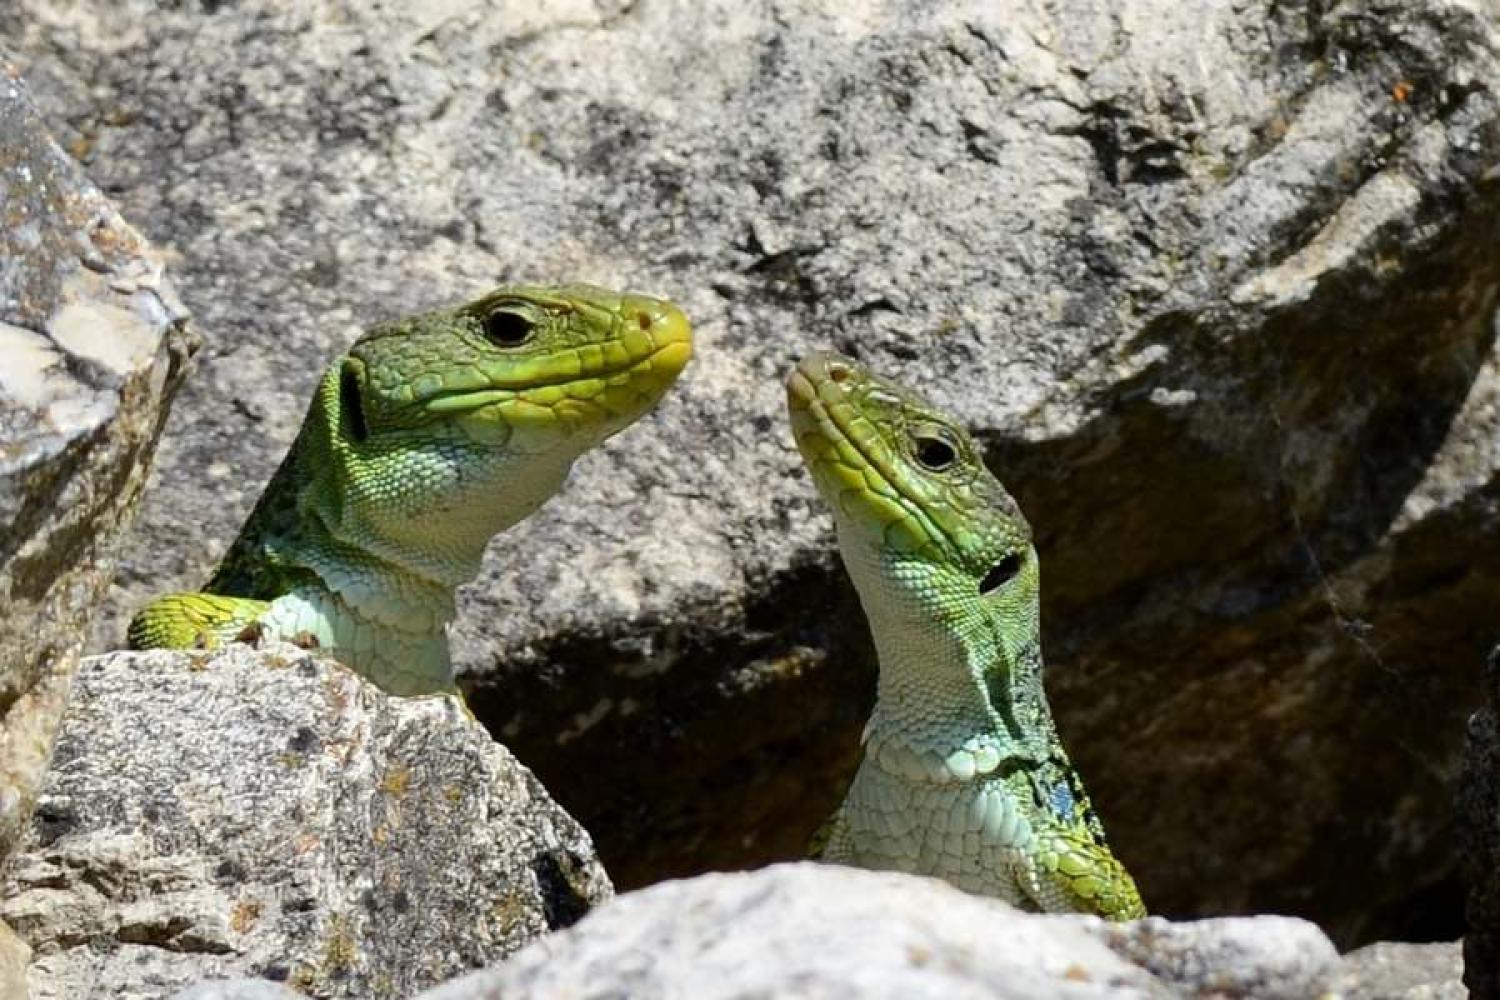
{"x":507,"y":329}
{"x":1000,"y":573}
{"x":935,"y":453}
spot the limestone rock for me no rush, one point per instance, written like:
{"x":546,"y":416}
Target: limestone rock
{"x":92,"y":347}
{"x":1213,"y":282}
{"x":809,"y":930}
{"x":267,"y":813}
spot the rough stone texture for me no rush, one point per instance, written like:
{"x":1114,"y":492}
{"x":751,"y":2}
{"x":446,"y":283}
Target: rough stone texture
{"x":1478,"y":809}
{"x":92,"y":347}
{"x":1264,"y":956}
{"x":237,"y":989}
{"x":1393,"y":970}
{"x":815,"y":931}
{"x":14,"y":956}
{"x":270,"y":814}
{"x":1214,"y":282}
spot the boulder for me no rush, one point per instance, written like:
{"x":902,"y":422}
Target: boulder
{"x":93,"y":343}
{"x":808,"y":930}
{"x":1213,"y":283}
{"x":267,"y":813}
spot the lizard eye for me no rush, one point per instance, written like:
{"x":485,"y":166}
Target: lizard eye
{"x":507,"y":329}
{"x":934,"y":453}
{"x":1000,"y":574}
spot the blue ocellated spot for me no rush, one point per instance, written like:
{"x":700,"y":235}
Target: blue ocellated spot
{"x":1062,"y":801}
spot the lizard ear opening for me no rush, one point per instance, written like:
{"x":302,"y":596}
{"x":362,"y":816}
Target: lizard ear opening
{"x":351,"y":402}
{"x":1000,"y":573}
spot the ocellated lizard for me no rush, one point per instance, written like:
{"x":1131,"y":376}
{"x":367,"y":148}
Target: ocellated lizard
{"x":431,"y":435}
{"x":964,"y":776}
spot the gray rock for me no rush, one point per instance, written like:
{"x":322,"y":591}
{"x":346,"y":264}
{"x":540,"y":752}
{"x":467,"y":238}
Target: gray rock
{"x":1263,"y":956}
{"x":810,"y":931}
{"x":92,"y":347}
{"x":269,"y":814}
{"x":1213,"y":282}
{"x":237,"y":989}
{"x":1395,"y":970}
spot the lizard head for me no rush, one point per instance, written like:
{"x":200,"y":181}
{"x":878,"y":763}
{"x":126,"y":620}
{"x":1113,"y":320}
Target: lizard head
{"x":441,"y":430}
{"x":524,"y":367}
{"x":927,"y":532}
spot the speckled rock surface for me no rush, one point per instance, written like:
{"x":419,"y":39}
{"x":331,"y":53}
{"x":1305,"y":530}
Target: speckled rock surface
{"x":92,"y":346}
{"x":1394,"y":970}
{"x":1262,"y":956}
{"x":817,"y":931}
{"x":1214,"y":284}
{"x":237,"y":989}
{"x":266,"y":813}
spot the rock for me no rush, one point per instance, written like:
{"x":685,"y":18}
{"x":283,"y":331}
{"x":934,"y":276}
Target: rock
{"x":266,"y":813}
{"x":237,"y":989}
{"x":1213,"y":282}
{"x":811,"y":930}
{"x":1264,"y":956}
{"x":14,"y":956}
{"x":1478,"y":809}
{"x":1395,"y":970}
{"x":92,"y":347}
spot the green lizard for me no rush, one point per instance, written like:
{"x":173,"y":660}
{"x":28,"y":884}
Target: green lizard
{"x":431,"y":435}
{"x":963,"y":775}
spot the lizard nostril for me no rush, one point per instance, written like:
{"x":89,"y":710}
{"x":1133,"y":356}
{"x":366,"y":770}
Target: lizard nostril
{"x":838,"y":371}
{"x":643,"y":320}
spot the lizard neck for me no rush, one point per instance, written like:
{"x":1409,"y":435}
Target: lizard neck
{"x":957,"y":687}
{"x":423,"y":513}
{"x":366,"y":561}
{"x":337,"y":510}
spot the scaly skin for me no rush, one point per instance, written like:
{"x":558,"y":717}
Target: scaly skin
{"x":964,"y":777}
{"x":433,"y":434}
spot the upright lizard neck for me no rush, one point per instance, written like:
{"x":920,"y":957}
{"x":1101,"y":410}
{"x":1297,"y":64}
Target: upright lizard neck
{"x":395,"y":562}
{"x":954,"y":683}
{"x":944,"y":690}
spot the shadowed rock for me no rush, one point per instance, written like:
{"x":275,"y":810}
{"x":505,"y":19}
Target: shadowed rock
{"x":1478,"y":808}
